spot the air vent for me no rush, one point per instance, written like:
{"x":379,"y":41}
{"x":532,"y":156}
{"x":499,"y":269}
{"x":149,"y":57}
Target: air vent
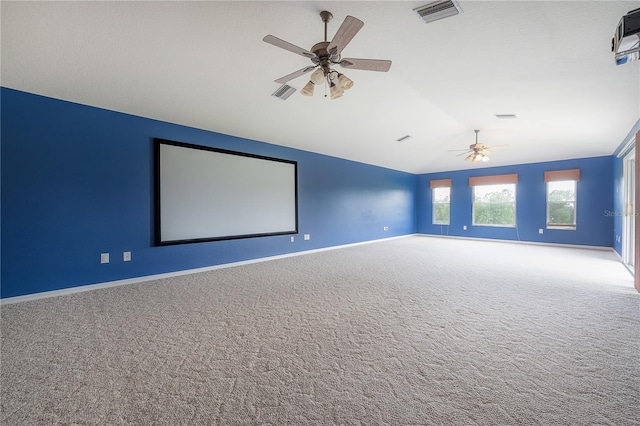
{"x":284,"y":92}
{"x":438,"y":9}
{"x":506,"y":116}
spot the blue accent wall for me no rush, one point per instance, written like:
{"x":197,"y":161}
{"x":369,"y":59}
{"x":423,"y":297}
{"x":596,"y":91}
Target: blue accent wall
{"x":595,"y":203}
{"x":77,"y":181}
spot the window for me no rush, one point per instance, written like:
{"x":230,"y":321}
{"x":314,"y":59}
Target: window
{"x":561,"y":198}
{"x":441,"y":205}
{"x":494,"y":205}
{"x":441,"y":201}
{"x":494,"y":200}
{"x":561,"y":204}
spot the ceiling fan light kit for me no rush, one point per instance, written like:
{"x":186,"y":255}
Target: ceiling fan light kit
{"x":344,"y":82}
{"x":476,"y":157}
{"x":477,"y":152}
{"x":307,"y":90}
{"x":326,"y":54}
{"x":318,"y":76}
{"x":335,"y":90}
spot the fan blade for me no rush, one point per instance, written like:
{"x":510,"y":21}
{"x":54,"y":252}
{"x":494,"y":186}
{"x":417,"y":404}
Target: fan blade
{"x":381,"y":65}
{"x":288,"y":46}
{"x":464,"y":153}
{"x":345,"y":34}
{"x":293,"y":75}
{"x":496,"y":146}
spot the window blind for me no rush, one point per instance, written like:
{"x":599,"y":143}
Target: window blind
{"x":493,"y":180}
{"x":440,"y":183}
{"x":556,"y":175}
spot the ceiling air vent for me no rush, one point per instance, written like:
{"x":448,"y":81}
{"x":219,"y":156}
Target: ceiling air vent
{"x":284,"y":92}
{"x":438,"y":9}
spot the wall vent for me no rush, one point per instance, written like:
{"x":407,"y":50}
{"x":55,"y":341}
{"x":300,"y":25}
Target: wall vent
{"x":438,"y":9}
{"x":284,"y":92}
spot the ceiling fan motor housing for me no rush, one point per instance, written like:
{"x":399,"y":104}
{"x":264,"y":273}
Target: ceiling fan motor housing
{"x":323,"y":58}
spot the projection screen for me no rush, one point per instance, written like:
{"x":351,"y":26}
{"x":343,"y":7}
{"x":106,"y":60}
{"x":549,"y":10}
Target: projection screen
{"x":209,"y":194}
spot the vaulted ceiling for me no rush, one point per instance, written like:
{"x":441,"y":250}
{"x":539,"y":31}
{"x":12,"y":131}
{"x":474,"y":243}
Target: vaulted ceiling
{"x":204,"y":64}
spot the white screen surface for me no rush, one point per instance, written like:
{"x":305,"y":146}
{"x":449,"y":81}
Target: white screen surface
{"x":205,"y":194}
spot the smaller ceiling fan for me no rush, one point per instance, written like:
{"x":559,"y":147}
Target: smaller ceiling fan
{"x":478,"y":151}
{"x":325,"y":54}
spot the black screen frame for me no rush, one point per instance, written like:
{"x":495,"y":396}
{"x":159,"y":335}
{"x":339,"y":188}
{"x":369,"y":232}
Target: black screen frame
{"x":158,"y":240}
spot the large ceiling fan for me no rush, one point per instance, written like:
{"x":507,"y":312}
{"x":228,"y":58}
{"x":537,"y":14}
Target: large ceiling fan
{"x":325,"y":54}
{"x":477,"y":151}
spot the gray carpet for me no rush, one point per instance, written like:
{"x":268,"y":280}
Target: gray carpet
{"x":416,"y":330}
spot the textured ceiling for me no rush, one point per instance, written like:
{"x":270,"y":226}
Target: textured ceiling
{"x":204,"y":64}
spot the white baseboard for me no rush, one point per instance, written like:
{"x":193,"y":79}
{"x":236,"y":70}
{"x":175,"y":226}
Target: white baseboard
{"x":629,"y":268}
{"x":136,"y":280}
{"x":535,"y":243}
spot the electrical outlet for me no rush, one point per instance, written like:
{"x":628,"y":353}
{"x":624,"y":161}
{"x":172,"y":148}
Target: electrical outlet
{"x":307,"y":237}
{"x":540,"y":231}
{"x":126,"y":256}
{"x":104,"y":257}
{"x":386,"y":228}
{"x":292,"y":239}
{"x":464,"y":228}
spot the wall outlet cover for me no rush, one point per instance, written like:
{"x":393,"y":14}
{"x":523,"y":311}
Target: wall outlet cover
{"x":104,"y":257}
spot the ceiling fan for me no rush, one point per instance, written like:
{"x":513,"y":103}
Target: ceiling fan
{"x":327,"y":53}
{"x":477,"y":151}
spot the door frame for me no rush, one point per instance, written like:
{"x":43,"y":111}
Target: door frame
{"x":628,"y":222}
{"x":637,"y":223}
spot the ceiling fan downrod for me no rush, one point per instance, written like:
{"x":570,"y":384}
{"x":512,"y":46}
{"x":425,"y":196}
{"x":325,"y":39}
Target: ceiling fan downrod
{"x":326,"y":17}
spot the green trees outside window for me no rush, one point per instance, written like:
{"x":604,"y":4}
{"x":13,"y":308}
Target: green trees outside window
{"x":494,"y":205}
{"x":561,"y":204}
{"x":441,"y":198}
